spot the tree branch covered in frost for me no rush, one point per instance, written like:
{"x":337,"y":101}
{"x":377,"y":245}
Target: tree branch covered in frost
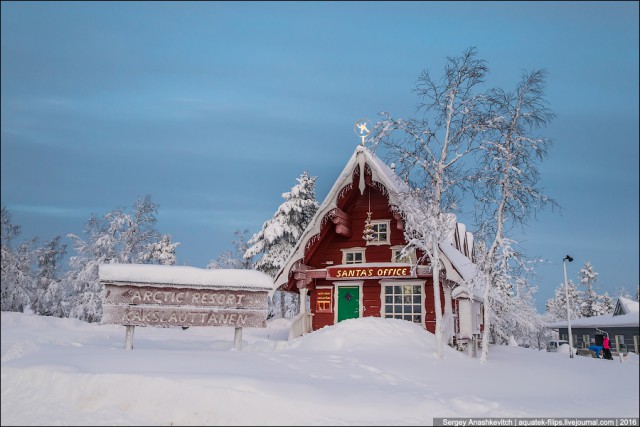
{"x":234,"y":259}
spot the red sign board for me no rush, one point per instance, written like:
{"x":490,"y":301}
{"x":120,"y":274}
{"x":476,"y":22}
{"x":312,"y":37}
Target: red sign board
{"x":368,"y":272}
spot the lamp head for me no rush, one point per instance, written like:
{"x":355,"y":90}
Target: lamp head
{"x":568,"y":258}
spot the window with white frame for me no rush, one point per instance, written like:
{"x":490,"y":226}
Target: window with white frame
{"x":353,"y":256}
{"x":409,"y":257}
{"x":403,"y":302}
{"x":381,"y":232}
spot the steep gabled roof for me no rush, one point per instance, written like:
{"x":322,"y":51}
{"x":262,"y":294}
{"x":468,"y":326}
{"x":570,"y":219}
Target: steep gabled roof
{"x":464,"y":267}
{"x":380,"y":173}
{"x":626,"y":306}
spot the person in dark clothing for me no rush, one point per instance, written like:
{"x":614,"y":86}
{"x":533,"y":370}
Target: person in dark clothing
{"x":606,"y":348}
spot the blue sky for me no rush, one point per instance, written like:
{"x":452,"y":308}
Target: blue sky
{"x":215,"y":108}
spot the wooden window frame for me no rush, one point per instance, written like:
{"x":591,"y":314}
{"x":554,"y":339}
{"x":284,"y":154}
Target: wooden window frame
{"x":353,"y":251}
{"x":376,"y":234}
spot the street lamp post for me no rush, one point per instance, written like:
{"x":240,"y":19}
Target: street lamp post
{"x":566,"y":291}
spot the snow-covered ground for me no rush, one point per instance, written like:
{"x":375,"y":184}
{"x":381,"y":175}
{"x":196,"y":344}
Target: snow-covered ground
{"x":365,"y":371}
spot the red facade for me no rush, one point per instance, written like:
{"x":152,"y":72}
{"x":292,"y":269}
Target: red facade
{"x":380,"y":288}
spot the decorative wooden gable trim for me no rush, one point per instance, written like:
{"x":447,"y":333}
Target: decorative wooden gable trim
{"x":342,"y":221}
{"x":361,"y":171}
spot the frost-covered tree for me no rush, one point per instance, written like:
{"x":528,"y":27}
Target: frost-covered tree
{"x":162,"y":251}
{"x":506,"y":185}
{"x":234,"y":259}
{"x":279,"y":235}
{"x":511,"y":297}
{"x":118,"y":237}
{"x":556,"y":307}
{"x":592,"y":304}
{"x":429,"y":152}
{"x":98,"y":247}
{"x":9,"y":230}
{"x":17,"y":285}
{"x":50,"y":296}
{"x":607,"y":303}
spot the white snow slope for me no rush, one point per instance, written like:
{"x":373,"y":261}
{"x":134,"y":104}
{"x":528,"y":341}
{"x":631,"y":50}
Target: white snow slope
{"x":367,"y":371}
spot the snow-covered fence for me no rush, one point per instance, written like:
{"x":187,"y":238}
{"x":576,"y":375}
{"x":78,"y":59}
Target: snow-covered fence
{"x":300,"y":325}
{"x":170,"y":296}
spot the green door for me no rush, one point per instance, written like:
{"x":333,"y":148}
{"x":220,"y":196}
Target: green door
{"x":348,"y":302}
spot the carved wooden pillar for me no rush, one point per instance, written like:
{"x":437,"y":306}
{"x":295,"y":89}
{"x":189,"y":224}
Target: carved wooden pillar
{"x":303,"y":300}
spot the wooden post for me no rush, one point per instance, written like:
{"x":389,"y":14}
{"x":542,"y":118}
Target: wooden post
{"x":303,"y":300}
{"x":128,"y":340}
{"x":238,"y":339}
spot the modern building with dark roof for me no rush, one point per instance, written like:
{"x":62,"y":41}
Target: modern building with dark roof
{"x":622,"y":326}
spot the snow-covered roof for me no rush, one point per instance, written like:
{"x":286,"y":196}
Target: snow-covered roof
{"x":465,"y":269}
{"x":380,"y":173}
{"x":626,"y":306}
{"x":606,"y":320}
{"x":150,"y":274}
{"x":464,"y":292}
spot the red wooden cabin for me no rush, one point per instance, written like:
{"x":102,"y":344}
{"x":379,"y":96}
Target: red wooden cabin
{"x":347,"y":277}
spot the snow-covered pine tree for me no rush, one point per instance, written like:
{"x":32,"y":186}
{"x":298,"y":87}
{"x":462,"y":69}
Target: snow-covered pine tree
{"x":279,"y":235}
{"x":430,"y":152}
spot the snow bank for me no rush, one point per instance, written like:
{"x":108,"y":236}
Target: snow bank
{"x":185,"y":276}
{"x":367,"y":371}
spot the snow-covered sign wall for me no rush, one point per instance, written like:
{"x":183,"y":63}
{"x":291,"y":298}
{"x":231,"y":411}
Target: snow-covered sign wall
{"x":166,"y":296}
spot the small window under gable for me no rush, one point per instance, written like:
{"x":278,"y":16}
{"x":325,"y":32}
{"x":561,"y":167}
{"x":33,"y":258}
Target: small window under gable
{"x":409,"y":258}
{"x":353,"y":256}
{"x":381,"y":232}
